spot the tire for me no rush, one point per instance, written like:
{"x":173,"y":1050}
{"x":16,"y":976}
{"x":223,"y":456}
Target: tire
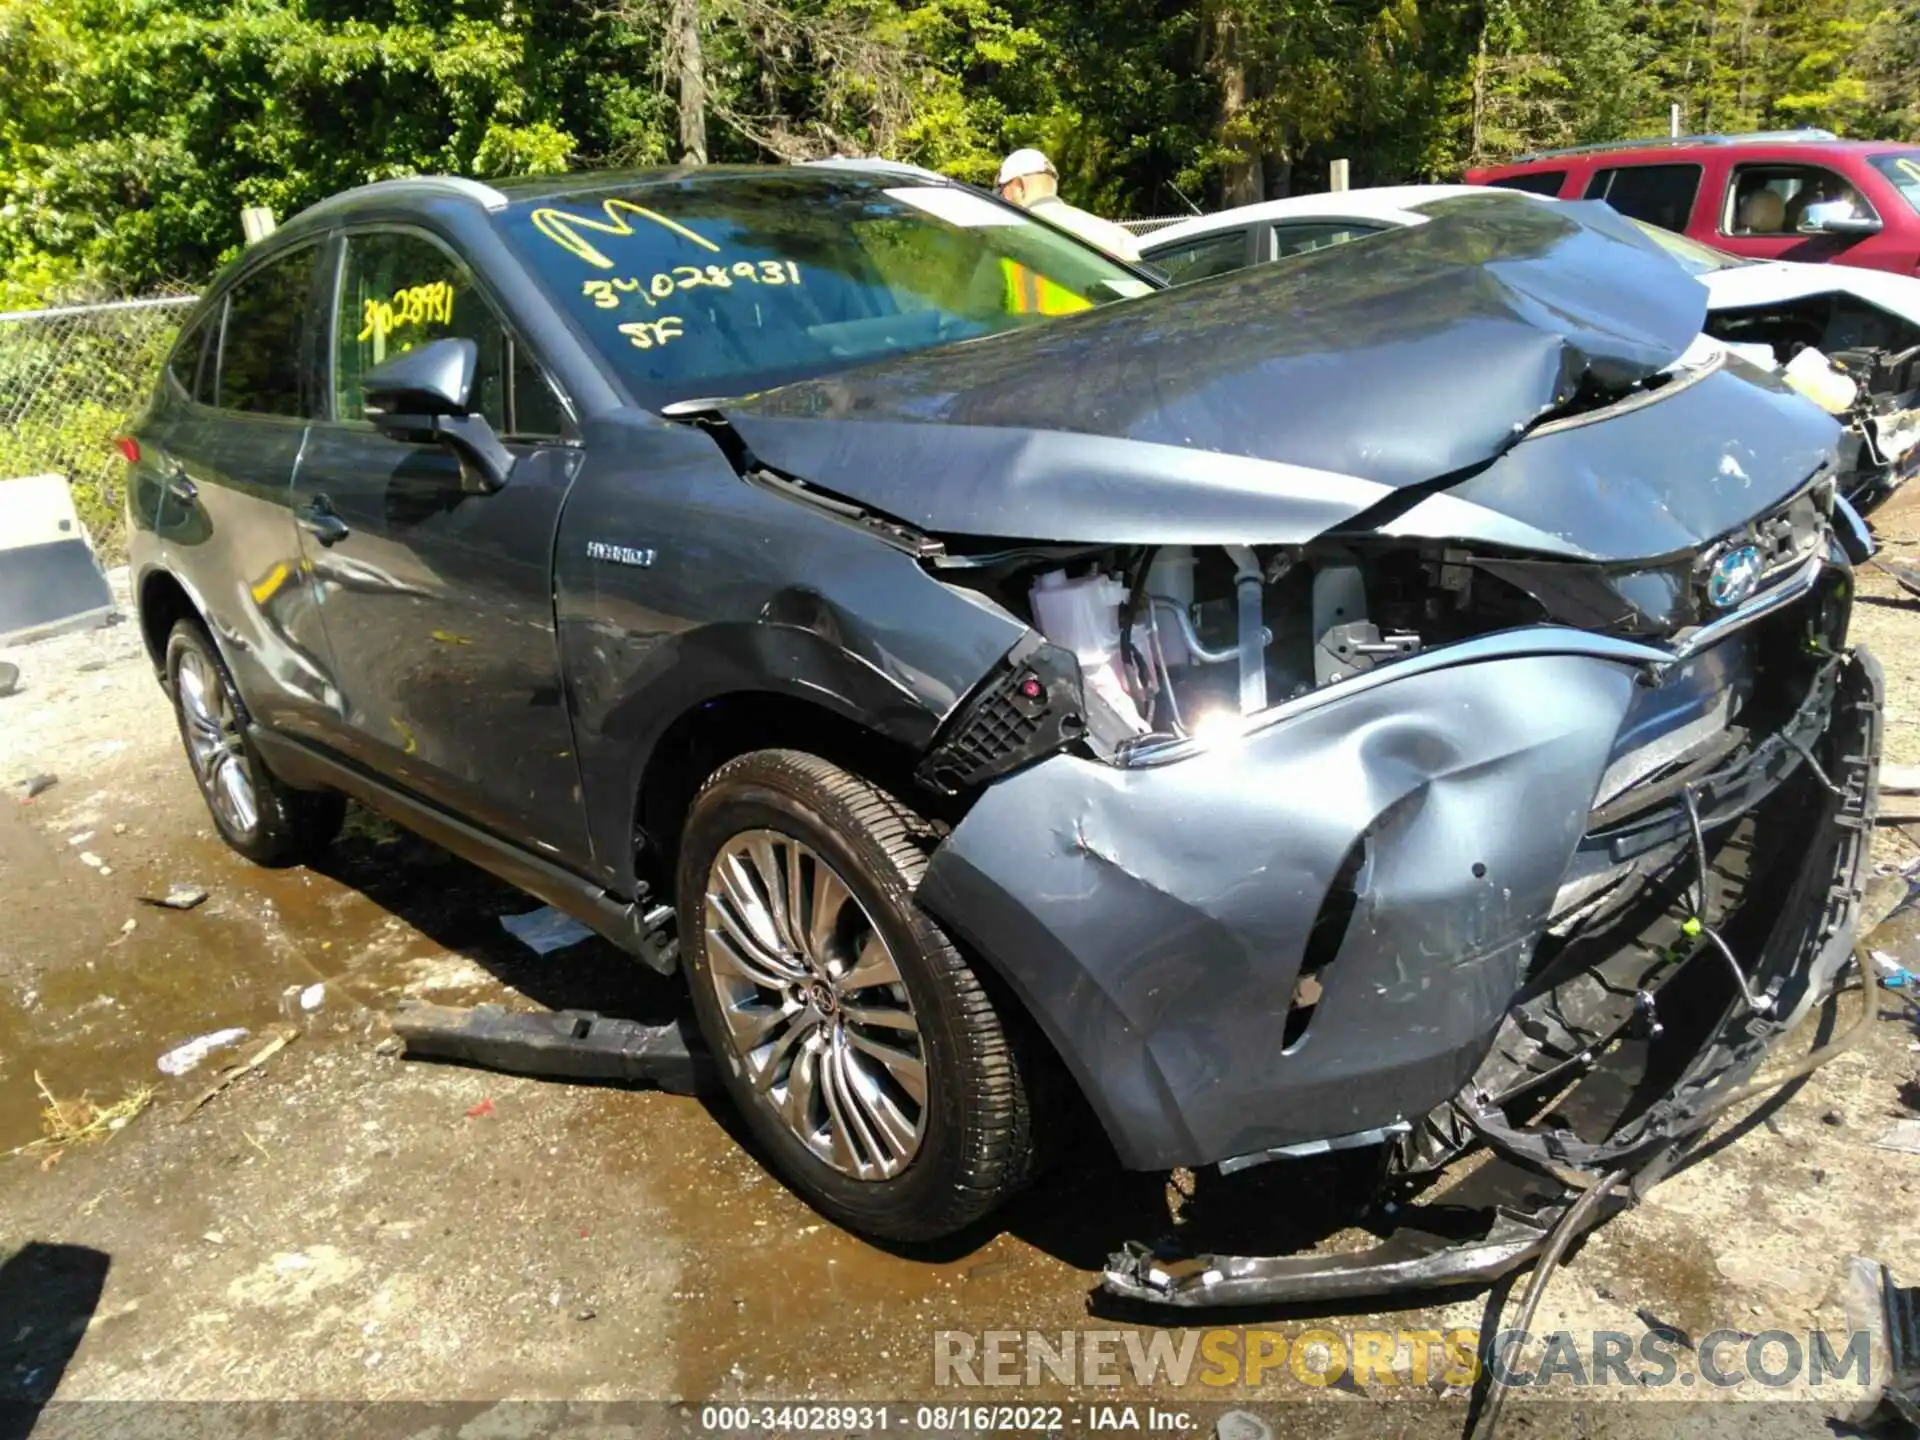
{"x":268,"y":822}
{"x":809,"y":1045}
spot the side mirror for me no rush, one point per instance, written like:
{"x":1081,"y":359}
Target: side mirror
{"x":1838,"y":217}
{"x":422,"y":396}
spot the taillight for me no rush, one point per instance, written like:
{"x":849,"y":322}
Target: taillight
{"x":128,"y":447}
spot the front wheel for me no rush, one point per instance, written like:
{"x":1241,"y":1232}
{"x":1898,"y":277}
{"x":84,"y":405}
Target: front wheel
{"x":856,"y":1040}
{"x":268,"y":822}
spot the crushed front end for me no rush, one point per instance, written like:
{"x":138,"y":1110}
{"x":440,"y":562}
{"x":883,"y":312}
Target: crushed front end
{"x":1506,"y":853}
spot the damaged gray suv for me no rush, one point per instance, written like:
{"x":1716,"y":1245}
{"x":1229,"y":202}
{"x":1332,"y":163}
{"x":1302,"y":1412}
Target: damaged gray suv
{"x":1353,"y":703}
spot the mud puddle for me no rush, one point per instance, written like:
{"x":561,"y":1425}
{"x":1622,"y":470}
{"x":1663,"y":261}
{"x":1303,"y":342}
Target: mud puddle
{"x":89,"y":1005}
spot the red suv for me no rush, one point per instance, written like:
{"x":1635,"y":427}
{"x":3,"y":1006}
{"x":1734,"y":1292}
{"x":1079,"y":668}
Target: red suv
{"x":1781,"y":195}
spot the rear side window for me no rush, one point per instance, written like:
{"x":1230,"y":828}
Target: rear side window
{"x":1197,"y":259}
{"x":1658,"y":194}
{"x":261,"y":354}
{"x":1299,"y":239}
{"x":400,"y":290}
{"x":1534,"y":182}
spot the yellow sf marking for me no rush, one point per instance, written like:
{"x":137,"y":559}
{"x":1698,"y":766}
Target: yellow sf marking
{"x":563,"y":228}
{"x":267,"y":588}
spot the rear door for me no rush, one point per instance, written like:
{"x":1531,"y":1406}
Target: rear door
{"x":223,"y":484}
{"x":439,"y":603}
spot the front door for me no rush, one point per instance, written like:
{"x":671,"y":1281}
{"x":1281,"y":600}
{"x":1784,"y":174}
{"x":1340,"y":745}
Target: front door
{"x":438,"y":604}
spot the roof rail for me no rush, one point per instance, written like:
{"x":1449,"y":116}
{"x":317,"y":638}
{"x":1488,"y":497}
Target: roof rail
{"x":453,"y":185}
{"x":1750,"y":137}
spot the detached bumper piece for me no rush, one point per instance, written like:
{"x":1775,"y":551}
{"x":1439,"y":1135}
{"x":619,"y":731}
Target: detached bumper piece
{"x":1626,"y":1040}
{"x":561,"y":1045}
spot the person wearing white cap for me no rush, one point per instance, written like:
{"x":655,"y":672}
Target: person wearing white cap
{"x":1027,"y":179}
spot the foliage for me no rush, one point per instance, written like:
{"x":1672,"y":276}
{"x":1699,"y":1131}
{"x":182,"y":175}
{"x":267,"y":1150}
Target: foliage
{"x":133,"y":131}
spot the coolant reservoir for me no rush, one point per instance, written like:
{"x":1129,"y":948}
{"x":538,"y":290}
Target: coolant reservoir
{"x":1083,"y":615}
{"x":1812,"y":374}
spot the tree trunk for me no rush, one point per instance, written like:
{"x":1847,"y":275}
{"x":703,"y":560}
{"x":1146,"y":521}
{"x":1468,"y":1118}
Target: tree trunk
{"x":1243,"y":179}
{"x":685,"y":26}
{"x":1474,"y":153}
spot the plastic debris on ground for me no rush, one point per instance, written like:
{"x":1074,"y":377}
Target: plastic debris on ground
{"x":178,"y":897}
{"x":483,"y":1109}
{"x":313,"y":997}
{"x":1894,"y":975}
{"x":1903,"y":1136}
{"x":545,"y":930}
{"x":37,"y":785}
{"x":183,"y":1058}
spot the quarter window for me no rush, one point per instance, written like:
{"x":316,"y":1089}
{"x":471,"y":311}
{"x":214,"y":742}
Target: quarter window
{"x":261,"y":356}
{"x":1198,"y":259}
{"x":400,"y":291}
{"x":193,"y":357}
{"x":1658,"y":194}
{"x":1774,"y":199}
{"x":1534,"y":182}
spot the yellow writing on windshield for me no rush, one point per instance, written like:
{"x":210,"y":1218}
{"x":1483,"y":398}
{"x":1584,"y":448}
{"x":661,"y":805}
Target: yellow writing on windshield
{"x":415,"y":305}
{"x":646,"y":334}
{"x":1909,"y":168}
{"x":606,"y":294}
{"x":563,"y":228}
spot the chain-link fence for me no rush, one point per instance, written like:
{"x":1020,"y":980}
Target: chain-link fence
{"x":70,"y":379}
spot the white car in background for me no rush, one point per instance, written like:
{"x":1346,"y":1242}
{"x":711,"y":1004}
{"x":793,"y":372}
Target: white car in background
{"x":1848,"y":338}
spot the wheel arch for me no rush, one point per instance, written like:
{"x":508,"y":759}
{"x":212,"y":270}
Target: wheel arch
{"x":161,"y":601}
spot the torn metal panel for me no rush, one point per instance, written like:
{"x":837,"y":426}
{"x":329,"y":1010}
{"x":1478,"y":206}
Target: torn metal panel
{"x":1156,"y":919}
{"x":1657,"y":479}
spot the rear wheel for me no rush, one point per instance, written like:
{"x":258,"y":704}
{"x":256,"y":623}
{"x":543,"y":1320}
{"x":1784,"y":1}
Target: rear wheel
{"x":856,"y":1040}
{"x":268,"y":822}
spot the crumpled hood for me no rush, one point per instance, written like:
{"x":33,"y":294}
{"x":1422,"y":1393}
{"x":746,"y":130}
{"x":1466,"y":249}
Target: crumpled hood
{"x":1267,"y":406}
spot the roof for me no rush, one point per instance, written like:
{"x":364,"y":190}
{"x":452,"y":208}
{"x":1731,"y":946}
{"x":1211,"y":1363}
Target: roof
{"x":1390,"y":204}
{"x":494,"y":195}
{"x":1815,"y":141}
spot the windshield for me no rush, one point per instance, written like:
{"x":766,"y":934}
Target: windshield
{"x":718,"y":285}
{"x":1694,"y":258}
{"x":1903,"y":169}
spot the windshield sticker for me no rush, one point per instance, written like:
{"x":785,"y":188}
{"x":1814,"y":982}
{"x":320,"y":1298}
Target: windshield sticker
{"x":957,"y":207}
{"x":415,"y":305}
{"x":1909,"y":168}
{"x":647,"y":334}
{"x":563,"y":228}
{"x":606,"y":294}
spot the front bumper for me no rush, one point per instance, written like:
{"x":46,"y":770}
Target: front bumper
{"x":1380,"y":917}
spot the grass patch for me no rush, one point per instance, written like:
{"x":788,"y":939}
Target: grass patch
{"x":66,"y":1123}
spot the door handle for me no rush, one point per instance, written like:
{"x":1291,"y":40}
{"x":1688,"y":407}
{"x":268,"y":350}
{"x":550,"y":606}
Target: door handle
{"x":176,"y":483}
{"x":316,"y":517}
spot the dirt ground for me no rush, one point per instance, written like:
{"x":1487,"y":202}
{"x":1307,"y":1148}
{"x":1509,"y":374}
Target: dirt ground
{"x":342,"y":1224}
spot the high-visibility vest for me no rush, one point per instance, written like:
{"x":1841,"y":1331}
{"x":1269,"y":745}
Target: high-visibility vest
{"x":1031,"y":293}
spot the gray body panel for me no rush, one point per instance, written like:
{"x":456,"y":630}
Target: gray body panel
{"x":1154,"y":920}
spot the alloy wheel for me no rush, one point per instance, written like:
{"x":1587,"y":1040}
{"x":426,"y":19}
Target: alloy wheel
{"x":214,"y":743}
{"x":814,"y":1005}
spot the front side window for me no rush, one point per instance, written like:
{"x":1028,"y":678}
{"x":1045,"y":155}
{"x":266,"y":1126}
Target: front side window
{"x":1299,"y":239}
{"x":1534,"y":182}
{"x":1658,"y":194}
{"x":261,"y":360}
{"x":1197,"y":259}
{"x":399,"y":290}
{"x":1774,"y":199}
{"x":707,"y":286}
{"x":1903,"y":169}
